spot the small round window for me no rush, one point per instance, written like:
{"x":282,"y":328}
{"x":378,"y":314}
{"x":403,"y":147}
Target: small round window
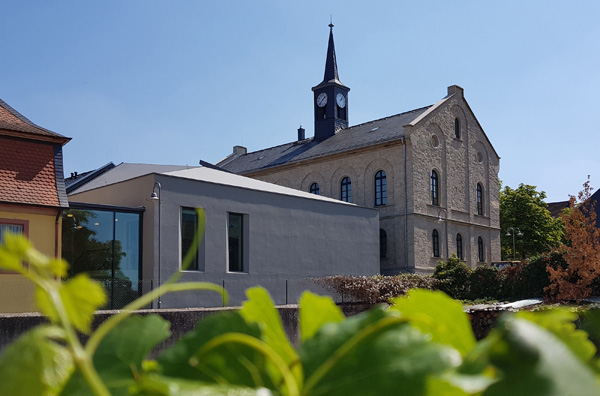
{"x":435,"y":141}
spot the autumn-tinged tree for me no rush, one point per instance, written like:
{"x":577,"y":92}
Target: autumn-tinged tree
{"x":581,"y":250}
{"x":524,"y":212}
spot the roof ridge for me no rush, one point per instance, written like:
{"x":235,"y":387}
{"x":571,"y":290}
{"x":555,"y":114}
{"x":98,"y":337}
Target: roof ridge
{"x":385,"y":118}
{"x":279,"y":145}
{"x":24,"y":119}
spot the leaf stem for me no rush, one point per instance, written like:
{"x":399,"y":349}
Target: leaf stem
{"x":260,"y":346}
{"x":346,"y":348}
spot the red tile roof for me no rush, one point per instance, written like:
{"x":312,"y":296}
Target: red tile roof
{"x":27,"y":173}
{"x":14,"y":123}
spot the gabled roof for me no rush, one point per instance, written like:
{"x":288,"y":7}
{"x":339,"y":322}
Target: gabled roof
{"x":13,"y":123}
{"x":371,"y":133}
{"x":77,"y":180}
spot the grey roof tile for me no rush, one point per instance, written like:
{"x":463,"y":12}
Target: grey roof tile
{"x":371,"y":133}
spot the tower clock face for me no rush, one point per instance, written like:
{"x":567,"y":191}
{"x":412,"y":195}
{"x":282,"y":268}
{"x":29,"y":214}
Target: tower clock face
{"x":322,"y":99}
{"x":341,"y":100}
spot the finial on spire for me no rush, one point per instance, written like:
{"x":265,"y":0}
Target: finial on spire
{"x":330,"y":22}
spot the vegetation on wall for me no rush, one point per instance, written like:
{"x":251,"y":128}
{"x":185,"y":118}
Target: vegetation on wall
{"x":421,"y":345}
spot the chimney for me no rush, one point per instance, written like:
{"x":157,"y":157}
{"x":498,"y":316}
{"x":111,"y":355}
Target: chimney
{"x":301,"y":134}
{"x":452,"y":89}
{"x":241,"y":150}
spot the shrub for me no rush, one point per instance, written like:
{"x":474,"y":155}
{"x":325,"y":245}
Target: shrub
{"x":453,"y":276}
{"x":375,"y":289}
{"x":484,"y":283}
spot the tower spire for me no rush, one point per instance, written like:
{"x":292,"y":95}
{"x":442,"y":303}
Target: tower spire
{"x":331,"y":70}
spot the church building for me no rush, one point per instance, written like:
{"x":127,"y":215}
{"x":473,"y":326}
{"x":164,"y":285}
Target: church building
{"x":431,"y":172}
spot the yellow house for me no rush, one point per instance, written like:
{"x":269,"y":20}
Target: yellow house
{"x":32,"y":196}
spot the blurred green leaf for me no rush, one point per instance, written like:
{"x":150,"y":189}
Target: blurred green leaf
{"x":560,"y":322}
{"x":437,"y":314}
{"x":80,"y":296}
{"x":120,"y":355}
{"x":10,"y":261}
{"x":233,"y":363}
{"x":260,"y":309}
{"x":533,"y":361}
{"x":154,"y":385}
{"x":376,"y":352}
{"x":16,"y":244}
{"x":35,"y":364}
{"x":315,"y":311}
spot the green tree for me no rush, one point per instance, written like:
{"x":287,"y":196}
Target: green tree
{"x":523,"y":211}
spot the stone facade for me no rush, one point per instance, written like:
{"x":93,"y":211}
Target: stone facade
{"x":409,"y":218}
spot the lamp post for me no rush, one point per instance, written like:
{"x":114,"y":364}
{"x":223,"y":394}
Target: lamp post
{"x":508,"y":233}
{"x":445,"y":220}
{"x":155,"y":196}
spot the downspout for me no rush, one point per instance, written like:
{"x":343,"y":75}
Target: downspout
{"x":405,"y":207}
{"x":57,"y":230}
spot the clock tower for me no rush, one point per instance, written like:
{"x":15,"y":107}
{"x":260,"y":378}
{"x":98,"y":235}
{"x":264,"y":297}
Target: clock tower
{"x":330,"y":98}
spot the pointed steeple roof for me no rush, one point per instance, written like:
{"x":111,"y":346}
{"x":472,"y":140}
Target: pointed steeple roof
{"x":331,"y":69}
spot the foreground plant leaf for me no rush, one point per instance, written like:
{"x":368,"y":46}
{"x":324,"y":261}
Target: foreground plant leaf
{"x":35,"y":364}
{"x":260,"y":309}
{"x":560,"y":322}
{"x":437,"y":314}
{"x":80,"y":296}
{"x":119,"y":357}
{"x":376,"y":352}
{"x":315,"y":311}
{"x":154,"y":385}
{"x":533,"y":362}
{"x":233,"y":363}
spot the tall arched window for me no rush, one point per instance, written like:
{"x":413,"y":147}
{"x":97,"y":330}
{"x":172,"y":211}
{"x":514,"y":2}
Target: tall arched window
{"x":457,"y":128}
{"x":346,"y":190}
{"x":380,"y":188}
{"x":382,"y":243}
{"x":435,"y":238}
{"x":480,"y":249}
{"x":434,"y":188}
{"x":459,"y":247}
{"x":479,"y":199}
{"x":314,"y":188}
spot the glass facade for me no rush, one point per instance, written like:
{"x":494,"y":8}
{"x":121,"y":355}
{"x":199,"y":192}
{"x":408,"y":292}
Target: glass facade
{"x":106,"y":244}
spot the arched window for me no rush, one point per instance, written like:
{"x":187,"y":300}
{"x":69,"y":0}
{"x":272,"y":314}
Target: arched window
{"x":435,"y":237}
{"x":479,"y":199}
{"x":480,"y":249}
{"x":434,"y":188}
{"x":346,"y":190}
{"x":382,"y":243}
{"x":314,"y":188}
{"x":457,"y":128}
{"x":380,"y":188}
{"x":459,"y":247}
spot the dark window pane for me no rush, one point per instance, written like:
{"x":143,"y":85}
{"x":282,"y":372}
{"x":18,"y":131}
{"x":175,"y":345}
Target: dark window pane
{"x":436,"y":243}
{"x":189,"y":227}
{"x":457,"y":128}
{"x":479,"y":199}
{"x":380,"y":188}
{"x":480,"y":249}
{"x":236,"y":239}
{"x":434,"y":188}
{"x":459,"y":247}
{"x":314,"y":188}
{"x":346,"y":190}
{"x":382,"y":243}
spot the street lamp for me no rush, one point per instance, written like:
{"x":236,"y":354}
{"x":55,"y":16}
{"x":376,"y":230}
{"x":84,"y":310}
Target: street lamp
{"x":514,"y":231}
{"x":445,"y":220}
{"x":155,"y":196}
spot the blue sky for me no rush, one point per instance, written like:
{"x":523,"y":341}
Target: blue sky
{"x":173,"y":82}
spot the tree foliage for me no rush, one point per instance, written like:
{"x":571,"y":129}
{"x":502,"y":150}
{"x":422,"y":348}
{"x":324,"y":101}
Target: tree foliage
{"x":581,"y":250}
{"x":524,"y":209}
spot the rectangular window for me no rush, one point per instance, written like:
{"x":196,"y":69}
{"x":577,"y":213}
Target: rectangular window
{"x":189,"y":229}
{"x":13,"y":226}
{"x":235,"y":235}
